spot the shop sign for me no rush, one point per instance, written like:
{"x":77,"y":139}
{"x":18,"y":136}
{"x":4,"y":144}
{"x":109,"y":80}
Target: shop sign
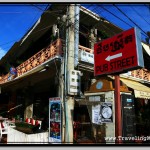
{"x":106,"y":112}
{"x":55,"y":120}
{"x":142,"y":94}
{"x":118,"y":54}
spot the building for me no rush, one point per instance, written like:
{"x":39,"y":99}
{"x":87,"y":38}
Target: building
{"x":40,"y":59}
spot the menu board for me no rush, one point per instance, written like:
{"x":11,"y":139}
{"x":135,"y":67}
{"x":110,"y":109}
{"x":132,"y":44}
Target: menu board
{"x":55,"y":120}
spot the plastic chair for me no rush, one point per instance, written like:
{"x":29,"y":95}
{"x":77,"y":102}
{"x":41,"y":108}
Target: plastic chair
{"x":38,"y":122}
{"x":10,"y":123}
{"x":3,"y":129}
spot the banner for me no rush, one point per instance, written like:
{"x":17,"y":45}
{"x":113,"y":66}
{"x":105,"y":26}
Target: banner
{"x":55,"y":120}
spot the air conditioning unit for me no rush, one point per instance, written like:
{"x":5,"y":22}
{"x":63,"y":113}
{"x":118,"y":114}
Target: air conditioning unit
{"x":86,"y":57}
{"x":74,"y":82}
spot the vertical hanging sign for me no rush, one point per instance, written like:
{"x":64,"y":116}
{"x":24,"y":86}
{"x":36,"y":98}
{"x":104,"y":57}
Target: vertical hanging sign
{"x":55,"y":120}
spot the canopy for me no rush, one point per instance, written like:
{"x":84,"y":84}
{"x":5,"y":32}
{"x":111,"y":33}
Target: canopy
{"x":140,"y":90}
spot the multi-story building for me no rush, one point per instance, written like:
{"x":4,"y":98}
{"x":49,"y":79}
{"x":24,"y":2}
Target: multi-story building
{"x":42,"y":73}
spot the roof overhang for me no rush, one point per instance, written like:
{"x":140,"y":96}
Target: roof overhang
{"x":35,"y":70}
{"x":146,"y":48}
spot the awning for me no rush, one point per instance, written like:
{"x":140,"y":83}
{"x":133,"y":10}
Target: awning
{"x":146,"y":48}
{"x":140,"y":90}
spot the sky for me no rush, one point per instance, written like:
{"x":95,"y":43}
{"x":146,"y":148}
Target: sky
{"x":16,"y":20}
{"x":125,"y":16}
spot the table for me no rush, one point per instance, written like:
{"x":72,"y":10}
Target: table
{"x":16,"y":137}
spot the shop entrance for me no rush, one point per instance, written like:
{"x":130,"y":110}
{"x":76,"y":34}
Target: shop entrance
{"x":85,"y":130}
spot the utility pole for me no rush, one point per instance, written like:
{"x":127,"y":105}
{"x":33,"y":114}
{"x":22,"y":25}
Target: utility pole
{"x":69,"y":100}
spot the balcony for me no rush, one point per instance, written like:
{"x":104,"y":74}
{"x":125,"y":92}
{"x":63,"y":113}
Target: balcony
{"x":141,"y":74}
{"x":53,"y":50}
{"x":46,"y":54}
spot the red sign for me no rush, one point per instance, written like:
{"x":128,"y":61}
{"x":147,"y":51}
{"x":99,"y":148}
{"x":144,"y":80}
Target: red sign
{"x":119,"y":53}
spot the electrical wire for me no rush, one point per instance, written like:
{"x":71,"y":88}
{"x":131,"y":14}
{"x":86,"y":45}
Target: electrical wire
{"x":94,"y":8}
{"x":8,"y":42}
{"x":118,"y":18}
{"x":115,"y":16}
{"x":38,"y":7}
{"x":140,"y":15}
{"x":25,"y":31}
{"x":70,"y":18}
{"x":130,"y":19}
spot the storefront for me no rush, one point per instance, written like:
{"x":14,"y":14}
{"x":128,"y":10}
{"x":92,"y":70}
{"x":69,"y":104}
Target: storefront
{"x":95,"y":114}
{"x":28,"y":99}
{"x":142,"y":106}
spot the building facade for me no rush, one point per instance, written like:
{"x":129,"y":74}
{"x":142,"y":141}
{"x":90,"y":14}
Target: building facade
{"x":45,"y":63}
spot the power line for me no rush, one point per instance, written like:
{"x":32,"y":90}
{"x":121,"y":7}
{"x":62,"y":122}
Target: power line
{"x":49,"y":25}
{"x":94,"y":8}
{"x":46,"y":11}
{"x":116,"y":16}
{"x":130,"y":19}
{"x":140,"y":15}
{"x":103,"y":18}
{"x":8,"y":42}
{"x":26,"y":30}
{"x":39,"y":8}
{"x":106,"y":26}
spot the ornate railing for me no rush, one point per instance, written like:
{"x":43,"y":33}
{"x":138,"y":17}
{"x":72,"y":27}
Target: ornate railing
{"x":54,"y":49}
{"x":142,"y":74}
{"x":86,"y":49}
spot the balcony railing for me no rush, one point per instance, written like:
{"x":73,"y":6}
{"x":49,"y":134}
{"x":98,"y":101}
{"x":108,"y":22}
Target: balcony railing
{"x":142,"y":74}
{"x":54,"y":49}
{"x":86,"y":49}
